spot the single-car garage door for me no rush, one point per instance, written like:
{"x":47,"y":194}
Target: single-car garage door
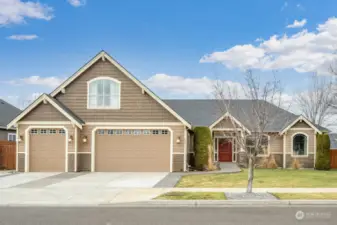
{"x":47,"y":150}
{"x":132,"y":150}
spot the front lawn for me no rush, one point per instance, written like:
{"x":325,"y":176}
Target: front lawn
{"x":306,"y":196}
{"x":192,"y":196}
{"x":264,"y":178}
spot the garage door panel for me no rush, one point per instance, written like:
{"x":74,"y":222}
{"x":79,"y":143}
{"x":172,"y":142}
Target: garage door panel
{"x":46,"y":151}
{"x":132,"y":153}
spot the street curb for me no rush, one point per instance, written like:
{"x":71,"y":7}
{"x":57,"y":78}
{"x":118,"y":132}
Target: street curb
{"x":186,"y":203}
{"x":223,"y":203}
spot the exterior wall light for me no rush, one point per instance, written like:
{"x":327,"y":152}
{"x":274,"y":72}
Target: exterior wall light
{"x":84,"y":139}
{"x":178,"y":140}
{"x":70,"y":139}
{"x":20,"y":138}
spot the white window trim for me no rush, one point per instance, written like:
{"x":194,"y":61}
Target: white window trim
{"x":292,"y":146}
{"x":104,"y":78}
{"x":268,"y":148}
{"x":10,"y":134}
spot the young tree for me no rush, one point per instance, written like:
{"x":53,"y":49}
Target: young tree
{"x":249,"y":122}
{"x":317,"y":103}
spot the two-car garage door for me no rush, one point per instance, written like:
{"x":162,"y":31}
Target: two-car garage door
{"x":116,"y":150}
{"x":47,"y":150}
{"x":132,"y":150}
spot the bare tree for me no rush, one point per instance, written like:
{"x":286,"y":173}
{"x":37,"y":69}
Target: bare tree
{"x":318,"y":102}
{"x":250,"y":122}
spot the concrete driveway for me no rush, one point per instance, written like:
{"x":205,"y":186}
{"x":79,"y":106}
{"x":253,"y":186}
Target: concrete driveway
{"x":112,"y":180}
{"x":82,"y":180}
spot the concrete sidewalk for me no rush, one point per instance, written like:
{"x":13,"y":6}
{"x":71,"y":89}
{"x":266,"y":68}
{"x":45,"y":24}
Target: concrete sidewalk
{"x":99,"y":196}
{"x":257,"y":190}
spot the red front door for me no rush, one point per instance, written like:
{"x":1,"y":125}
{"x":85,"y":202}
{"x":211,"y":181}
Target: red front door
{"x":225,"y":150}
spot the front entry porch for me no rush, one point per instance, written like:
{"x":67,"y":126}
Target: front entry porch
{"x":224,"y":150}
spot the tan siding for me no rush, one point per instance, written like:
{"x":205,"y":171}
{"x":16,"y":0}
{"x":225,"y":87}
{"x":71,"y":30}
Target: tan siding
{"x":301,"y":125}
{"x":21,"y":162}
{"x":44,"y":112}
{"x":225,"y":123}
{"x":84,"y":162}
{"x":311,"y":136}
{"x":276,"y":143}
{"x":71,"y":162}
{"x":135,"y":106}
{"x":178,"y":162}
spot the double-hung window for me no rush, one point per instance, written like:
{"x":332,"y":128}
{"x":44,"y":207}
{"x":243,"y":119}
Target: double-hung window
{"x":104,"y":93}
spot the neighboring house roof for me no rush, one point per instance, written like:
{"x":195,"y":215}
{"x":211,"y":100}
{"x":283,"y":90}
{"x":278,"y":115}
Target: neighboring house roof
{"x":333,"y":141}
{"x":58,"y":105}
{"x":105,"y":56}
{"x":7,"y":113}
{"x":205,"y":112}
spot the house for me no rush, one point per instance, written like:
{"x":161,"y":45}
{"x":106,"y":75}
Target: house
{"x":7,"y":113}
{"x":103,"y":119}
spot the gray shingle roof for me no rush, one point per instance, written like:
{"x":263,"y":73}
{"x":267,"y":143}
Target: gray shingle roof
{"x":7,"y":113}
{"x":67,"y":110}
{"x":205,"y":112}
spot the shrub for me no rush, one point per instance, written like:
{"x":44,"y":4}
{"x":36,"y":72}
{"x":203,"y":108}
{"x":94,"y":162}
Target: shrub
{"x":322,"y":152}
{"x":296,"y":164}
{"x":268,"y":163}
{"x":272,"y":163}
{"x":263,"y":163}
{"x":202,"y":139}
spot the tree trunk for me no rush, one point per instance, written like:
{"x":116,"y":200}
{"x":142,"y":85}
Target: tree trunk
{"x":250,"y":174}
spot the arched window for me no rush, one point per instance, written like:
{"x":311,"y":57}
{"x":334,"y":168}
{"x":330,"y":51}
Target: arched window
{"x":104,"y":93}
{"x":300,"y":144}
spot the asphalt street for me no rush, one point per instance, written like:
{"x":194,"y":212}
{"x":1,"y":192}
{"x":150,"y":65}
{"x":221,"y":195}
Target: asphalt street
{"x":167,"y":216}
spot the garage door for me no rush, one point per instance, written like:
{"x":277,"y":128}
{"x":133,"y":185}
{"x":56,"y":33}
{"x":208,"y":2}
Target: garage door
{"x":142,"y":150}
{"x":47,"y":150}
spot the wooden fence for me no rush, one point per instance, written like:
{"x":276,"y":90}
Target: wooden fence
{"x":333,"y":158}
{"x":7,"y":155}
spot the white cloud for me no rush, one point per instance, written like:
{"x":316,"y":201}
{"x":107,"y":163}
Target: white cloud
{"x":304,"y":51}
{"x":24,"y":37}
{"x":15,"y":11}
{"x":297,"y":24}
{"x":51,"y":82}
{"x":77,"y":3}
{"x":182,"y":87}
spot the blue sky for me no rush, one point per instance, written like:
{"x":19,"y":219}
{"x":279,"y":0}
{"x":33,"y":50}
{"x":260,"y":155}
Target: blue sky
{"x":176,"y":47}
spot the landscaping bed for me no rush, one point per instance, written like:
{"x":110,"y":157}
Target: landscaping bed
{"x":192,"y":196}
{"x":264,"y":178}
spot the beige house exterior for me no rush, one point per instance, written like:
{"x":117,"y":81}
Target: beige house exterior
{"x":102,"y":119}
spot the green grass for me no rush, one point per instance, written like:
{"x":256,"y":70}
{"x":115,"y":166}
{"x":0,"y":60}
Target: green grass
{"x":263,"y":178}
{"x":306,"y":196}
{"x":192,"y":196}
